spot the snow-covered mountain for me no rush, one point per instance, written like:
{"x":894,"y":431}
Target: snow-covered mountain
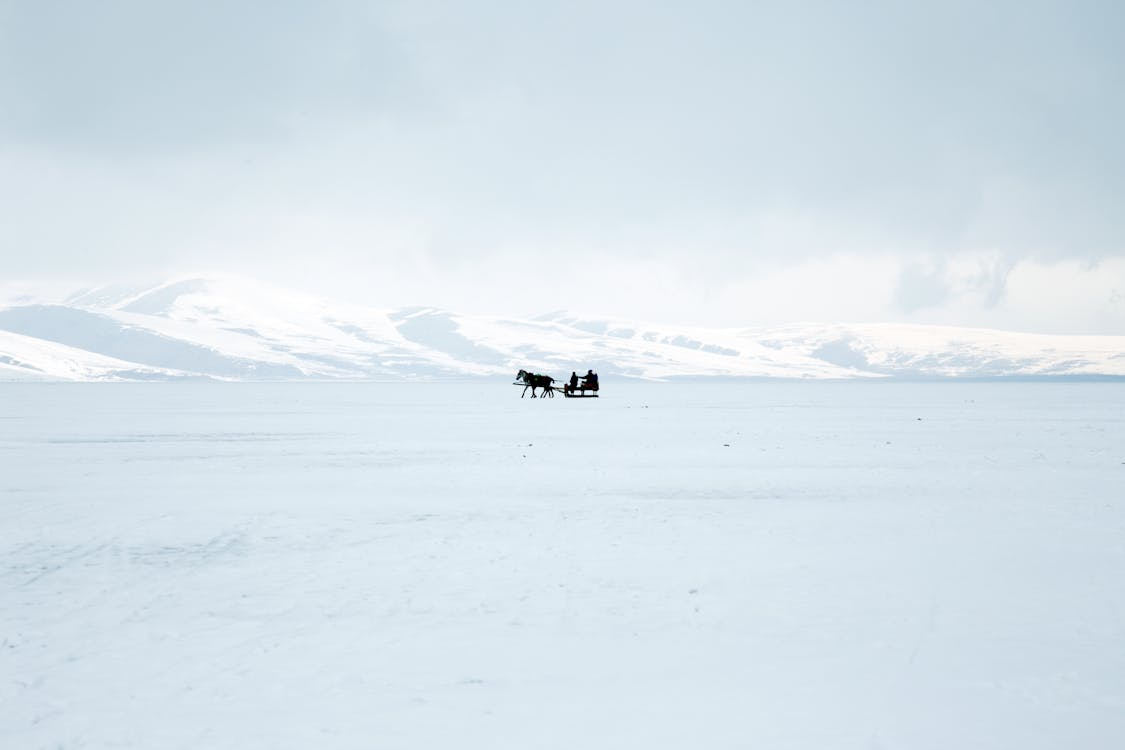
{"x":236,"y":329}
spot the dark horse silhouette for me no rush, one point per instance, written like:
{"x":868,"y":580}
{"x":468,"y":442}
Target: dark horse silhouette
{"x":533,"y":381}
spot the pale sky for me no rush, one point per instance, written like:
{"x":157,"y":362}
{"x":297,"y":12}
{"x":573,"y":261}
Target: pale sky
{"x":720,"y":163}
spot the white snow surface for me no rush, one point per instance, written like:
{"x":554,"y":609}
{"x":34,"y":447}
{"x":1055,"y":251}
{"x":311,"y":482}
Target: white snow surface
{"x":26,"y":357}
{"x":846,"y":565}
{"x":232,"y":328}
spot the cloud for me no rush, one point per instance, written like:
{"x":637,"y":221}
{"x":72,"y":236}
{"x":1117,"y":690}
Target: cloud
{"x":936,"y":281}
{"x":721,"y":142}
{"x":134,"y":78}
{"x":921,"y":286}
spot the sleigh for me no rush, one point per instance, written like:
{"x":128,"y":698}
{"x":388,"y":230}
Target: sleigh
{"x":534,"y":381}
{"x":580,"y":390}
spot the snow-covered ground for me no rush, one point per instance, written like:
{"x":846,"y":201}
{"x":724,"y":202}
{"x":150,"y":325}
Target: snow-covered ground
{"x":774,"y":565}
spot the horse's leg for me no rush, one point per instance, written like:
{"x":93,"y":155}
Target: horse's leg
{"x":524,"y":391}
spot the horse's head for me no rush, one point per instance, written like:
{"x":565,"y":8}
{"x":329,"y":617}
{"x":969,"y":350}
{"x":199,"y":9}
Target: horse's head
{"x":523,"y":375}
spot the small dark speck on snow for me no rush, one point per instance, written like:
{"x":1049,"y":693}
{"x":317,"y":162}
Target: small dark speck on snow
{"x":726,"y":445}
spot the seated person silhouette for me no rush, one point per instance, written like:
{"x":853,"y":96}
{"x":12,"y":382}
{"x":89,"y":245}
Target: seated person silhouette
{"x":572,"y":386}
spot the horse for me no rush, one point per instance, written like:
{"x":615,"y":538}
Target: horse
{"x":533,"y":381}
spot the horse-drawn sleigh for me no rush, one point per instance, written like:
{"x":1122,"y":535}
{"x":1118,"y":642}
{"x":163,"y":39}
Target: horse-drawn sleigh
{"x":575,"y":388}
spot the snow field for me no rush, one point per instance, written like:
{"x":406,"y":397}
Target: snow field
{"x":781,"y":565}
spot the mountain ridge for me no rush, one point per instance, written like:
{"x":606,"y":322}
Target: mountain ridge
{"x":231,"y":328}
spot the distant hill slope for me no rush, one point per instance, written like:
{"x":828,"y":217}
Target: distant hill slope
{"x":238,"y":329}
